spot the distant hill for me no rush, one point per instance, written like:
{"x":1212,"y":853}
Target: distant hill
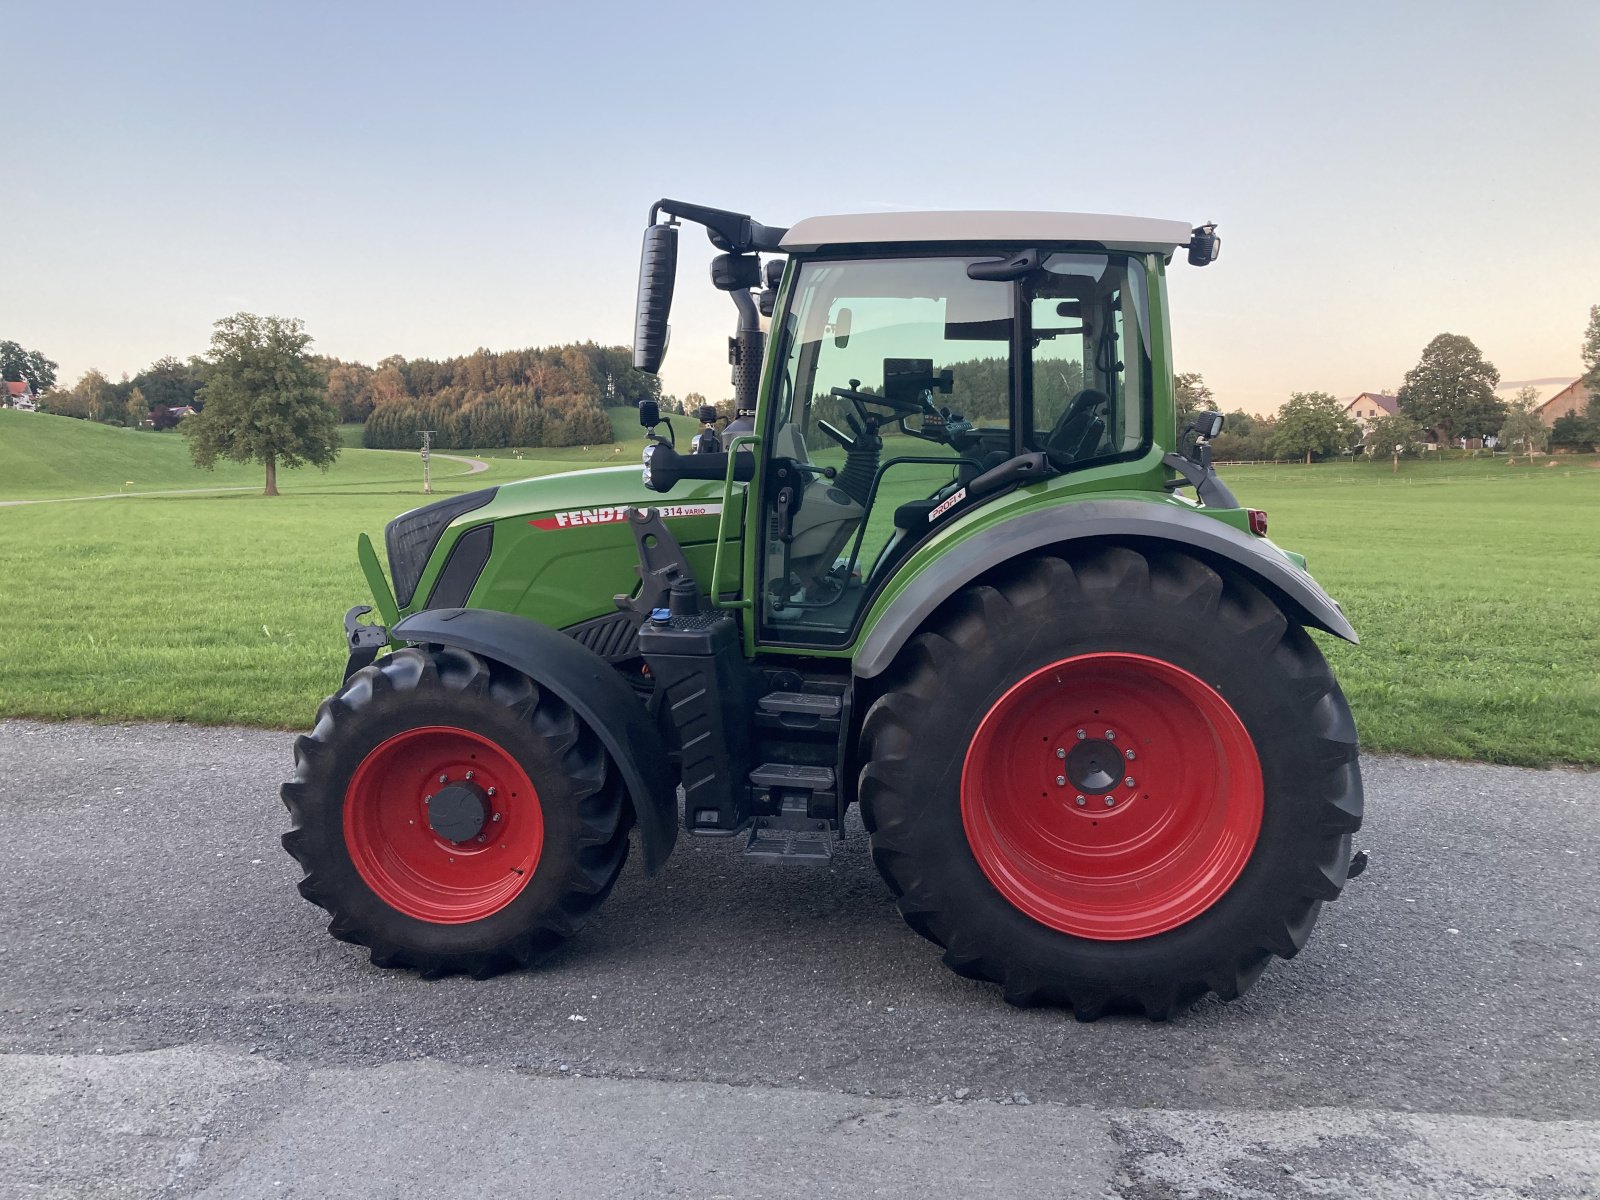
{"x":44,"y":457}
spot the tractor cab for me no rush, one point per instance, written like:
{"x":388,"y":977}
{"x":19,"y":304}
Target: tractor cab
{"x":920,"y":365}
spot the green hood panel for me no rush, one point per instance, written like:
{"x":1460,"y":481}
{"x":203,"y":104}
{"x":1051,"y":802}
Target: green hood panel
{"x":562,"y":545}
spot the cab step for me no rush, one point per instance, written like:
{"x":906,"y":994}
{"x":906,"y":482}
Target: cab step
{"x":801,"y":710}
{"x":793,"y":777}
{"x":796,"y":833}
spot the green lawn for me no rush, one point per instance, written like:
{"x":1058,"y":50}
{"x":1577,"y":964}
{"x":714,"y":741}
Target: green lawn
{"x":1472,"y":584}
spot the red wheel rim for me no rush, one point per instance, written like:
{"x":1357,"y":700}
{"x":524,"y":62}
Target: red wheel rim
{"x":1164,"y":849}
{"x":389,"y":814}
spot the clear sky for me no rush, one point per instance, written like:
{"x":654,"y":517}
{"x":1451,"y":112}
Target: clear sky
{"x":426,"y":179}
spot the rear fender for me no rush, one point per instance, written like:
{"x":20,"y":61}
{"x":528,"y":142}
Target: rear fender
{"x":585,"y":681}
{"x":1126,"y":521}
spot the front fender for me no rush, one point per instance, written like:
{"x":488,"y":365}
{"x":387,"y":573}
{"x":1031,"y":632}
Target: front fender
{"x":1131,"y":521}
{"x":585,"y":681}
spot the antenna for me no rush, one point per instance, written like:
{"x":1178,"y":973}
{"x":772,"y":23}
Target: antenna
{"x":427,"y":453}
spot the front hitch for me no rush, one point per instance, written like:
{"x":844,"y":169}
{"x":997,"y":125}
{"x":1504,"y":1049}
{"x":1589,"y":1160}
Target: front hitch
{"x":364,"y":641}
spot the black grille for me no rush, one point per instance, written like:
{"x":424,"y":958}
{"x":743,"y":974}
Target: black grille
{"x":462,"y":568}
{"x":612,"y":636}
{"x":412,"y":536}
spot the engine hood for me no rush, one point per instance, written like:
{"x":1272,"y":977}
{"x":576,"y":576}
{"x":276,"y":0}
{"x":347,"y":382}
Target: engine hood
{"x":597,"y":497}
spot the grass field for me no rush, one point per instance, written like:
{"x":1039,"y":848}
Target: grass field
{"x":1472,"y":584}
{"x":45,"y":457}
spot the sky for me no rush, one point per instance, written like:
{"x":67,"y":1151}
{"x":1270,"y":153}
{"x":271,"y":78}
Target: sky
{"x":427,"y":179}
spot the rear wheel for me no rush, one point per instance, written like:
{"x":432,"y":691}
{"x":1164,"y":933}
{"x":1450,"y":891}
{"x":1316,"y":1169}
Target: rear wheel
{"x":452,"y":815}
{"x":1114,"y":781}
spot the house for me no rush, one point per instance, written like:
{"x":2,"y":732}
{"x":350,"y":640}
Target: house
{"x":1573,"y":398}
{"x":1369,"y":406}
{"x":19,"y":394}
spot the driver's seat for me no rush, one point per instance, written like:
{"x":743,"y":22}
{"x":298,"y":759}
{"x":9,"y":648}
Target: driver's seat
{"x":1080,"y":427}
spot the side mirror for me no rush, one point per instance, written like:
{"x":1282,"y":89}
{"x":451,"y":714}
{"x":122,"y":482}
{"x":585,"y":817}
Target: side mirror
{"x":841,"y":328}
{"x":658,"y":268}
{"x":1204,"y":245}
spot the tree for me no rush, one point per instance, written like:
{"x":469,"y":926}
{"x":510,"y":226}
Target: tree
{"x":1571,"y":431}
{"x":17,"y":364}
{"x":1591,"y":352}
{"x":98,"y":397}
{"x":1312,"y":423}
{"x":169,"y":383}
{"x":138,"y":408}
{"x":1192,"y":395}
{"x":349,"y":389}
{"x":1452,"y":389}
{"x":1523,"y":426}
{"x":265,"y":400}
{"x":1245,"y":438}
{"x":1393,"y":434}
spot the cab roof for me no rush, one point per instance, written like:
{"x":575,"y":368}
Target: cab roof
{"x":1144,"y":234}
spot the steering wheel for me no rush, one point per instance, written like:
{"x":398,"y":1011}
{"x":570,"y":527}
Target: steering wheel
{"x":904,"y":407}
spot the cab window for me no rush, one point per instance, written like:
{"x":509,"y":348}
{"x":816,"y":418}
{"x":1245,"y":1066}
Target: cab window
{"x":895,"y":389}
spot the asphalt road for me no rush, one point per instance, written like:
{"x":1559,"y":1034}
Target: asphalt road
{"x":175,"y":1022}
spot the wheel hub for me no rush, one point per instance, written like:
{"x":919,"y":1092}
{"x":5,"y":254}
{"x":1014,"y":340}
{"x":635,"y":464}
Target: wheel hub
{"x":1083,"y":815}
{"x":1094,"y":767}
{"x":458,"y":812}
{"x":443,"y":824}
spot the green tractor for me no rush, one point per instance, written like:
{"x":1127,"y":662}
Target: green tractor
{"x":939,"y":564}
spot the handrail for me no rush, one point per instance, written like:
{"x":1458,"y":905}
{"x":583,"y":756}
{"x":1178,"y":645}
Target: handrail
{"x":715,"y":591}
{"x":872,"y":496}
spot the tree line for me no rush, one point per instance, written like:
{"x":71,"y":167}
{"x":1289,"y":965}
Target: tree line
{"x":1448,"y":395}
{"x":547,"y":396}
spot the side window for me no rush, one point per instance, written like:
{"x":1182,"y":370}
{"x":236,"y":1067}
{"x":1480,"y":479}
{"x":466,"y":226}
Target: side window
{"x":1090,"y":366}
{"x":897,"y":389}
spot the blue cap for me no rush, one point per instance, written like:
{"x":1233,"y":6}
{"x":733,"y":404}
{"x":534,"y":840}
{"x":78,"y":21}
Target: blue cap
{"x":661,"y":614}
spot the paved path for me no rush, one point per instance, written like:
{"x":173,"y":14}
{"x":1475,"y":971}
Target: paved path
{"x":474,"y":466}
{"x":175,"y":1022}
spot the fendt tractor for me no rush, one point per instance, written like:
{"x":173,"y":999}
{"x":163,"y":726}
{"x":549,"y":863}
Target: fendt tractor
{"x":939,"y":562}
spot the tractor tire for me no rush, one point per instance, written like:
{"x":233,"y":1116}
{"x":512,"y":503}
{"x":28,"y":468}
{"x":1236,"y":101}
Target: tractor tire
{"x":1113,"y":780}
{"x":453,"y":816}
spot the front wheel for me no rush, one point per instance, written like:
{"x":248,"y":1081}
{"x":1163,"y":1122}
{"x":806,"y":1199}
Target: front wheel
{"x":451,"y":815}
{"x":1113,"y":781}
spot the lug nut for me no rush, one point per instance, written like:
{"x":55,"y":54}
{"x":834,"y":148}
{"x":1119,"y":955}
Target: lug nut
{"x":1060,"y":753}
{"x":444,"y":779}
{"x":1111,"y":801}
{"x":1082,"y":801}
{"x":1111,"y":735}
{"x":427,"y":799}
{"x":1082,"y":735}
{"x":1061,"y":781}
{"x":1129,"y":755}
{"x":469,"y":774}
{"x":491,"y":790}
{"x":1128,"y":782}
{"x":481,"y":838}
{"x":495,"y":818}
